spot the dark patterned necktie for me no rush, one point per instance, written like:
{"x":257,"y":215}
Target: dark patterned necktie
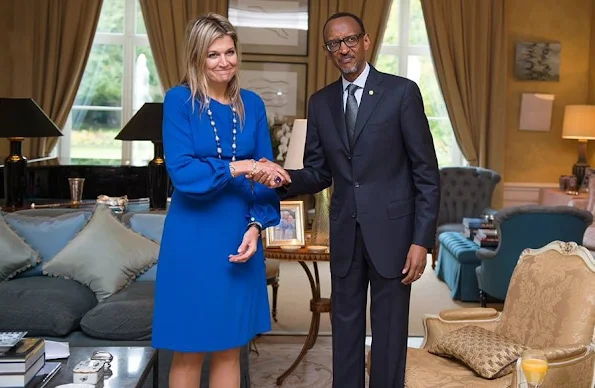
{"x":351,"y":112}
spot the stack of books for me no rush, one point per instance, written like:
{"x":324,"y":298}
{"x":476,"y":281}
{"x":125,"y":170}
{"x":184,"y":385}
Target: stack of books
{"x":486,"y":238}
{"x":20,"y":362}
{"x":472,"y":225}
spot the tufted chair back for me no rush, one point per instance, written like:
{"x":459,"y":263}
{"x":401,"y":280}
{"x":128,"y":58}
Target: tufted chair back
{"x":550,"y":300}
{"x":465,"y":192}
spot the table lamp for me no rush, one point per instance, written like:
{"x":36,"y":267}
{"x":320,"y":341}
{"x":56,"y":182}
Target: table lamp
{"x":579,"y":124}
{"x":21,"y":118}
{"x":294,"y":160}
{"x":146,"y":125}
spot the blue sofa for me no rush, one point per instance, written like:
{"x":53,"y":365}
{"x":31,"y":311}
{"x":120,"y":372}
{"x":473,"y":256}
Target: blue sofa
{"x":65,"y":310}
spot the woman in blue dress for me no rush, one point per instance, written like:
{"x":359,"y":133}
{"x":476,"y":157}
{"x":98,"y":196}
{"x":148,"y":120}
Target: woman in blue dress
{"x":210,"y":293}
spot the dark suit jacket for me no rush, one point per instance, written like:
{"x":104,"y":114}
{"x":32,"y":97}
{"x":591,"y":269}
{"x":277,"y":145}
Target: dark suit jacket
{"x":388,"y":181}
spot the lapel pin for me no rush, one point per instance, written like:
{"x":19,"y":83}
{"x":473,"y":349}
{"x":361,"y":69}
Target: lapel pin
{"x":371,"y":92}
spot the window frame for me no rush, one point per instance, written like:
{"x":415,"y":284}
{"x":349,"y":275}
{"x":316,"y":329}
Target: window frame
{"x":403,"y":50}
{"x":129,"y":40}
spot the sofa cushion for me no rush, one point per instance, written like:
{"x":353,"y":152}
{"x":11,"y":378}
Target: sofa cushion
{"x":488,"y":354}
{"x":47,"y":235}
{"x":15,"y":254}
{"x":43,"y":306}
{"x":148,"y":224}
{"x":127,"y":315}
{"x":105,"y":256}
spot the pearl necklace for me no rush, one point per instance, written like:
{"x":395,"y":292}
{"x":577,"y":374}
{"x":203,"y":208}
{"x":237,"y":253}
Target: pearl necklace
{"x":234,"y":132}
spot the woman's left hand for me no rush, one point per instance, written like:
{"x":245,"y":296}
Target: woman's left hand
{"x":247,"y":247}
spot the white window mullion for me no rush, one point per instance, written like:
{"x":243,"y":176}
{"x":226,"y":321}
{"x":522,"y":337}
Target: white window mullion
{"x":128,"y":79}
{"x":403,"y":37}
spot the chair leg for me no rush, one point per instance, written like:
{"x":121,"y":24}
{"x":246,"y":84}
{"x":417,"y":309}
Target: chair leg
{"x":275,"y":286}
{"x":435,"y":255}
{"x":483,"y":298}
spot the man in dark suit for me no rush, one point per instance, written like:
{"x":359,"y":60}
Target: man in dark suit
{"x":368,"y":134}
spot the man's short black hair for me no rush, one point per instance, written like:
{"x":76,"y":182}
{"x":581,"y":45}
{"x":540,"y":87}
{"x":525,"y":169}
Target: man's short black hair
{"x":342,"y":15}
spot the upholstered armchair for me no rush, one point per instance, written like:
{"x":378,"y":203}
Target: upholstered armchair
{"x":523,"y":227}
{"x":464,"y":192}
{"x":550,"y":306}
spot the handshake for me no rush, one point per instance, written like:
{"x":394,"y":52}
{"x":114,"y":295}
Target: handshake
{"x":262,"y":171}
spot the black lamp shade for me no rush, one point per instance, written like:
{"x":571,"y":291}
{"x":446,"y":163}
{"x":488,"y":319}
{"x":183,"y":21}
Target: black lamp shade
{"x":22,"y":117}
{"x":145,"y":124}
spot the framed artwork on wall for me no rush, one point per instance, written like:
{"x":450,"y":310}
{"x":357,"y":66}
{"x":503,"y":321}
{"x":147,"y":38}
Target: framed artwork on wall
{"x":282,"y":86}
{"x":537,"y":61}
{"x":278,"y":27}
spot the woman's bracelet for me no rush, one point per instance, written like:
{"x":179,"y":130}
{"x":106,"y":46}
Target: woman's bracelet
{"x":254,"y":164}
{"x":232,"y":170}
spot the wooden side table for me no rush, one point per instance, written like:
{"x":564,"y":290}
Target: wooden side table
{"x":318,"y":305}
{"x":557,"y":197}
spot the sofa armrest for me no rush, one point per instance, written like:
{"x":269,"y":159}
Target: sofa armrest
{"x":568,"y":367}
{"x":448,"y":320}
{"x":466,"y":314}
{"x":484,"y":253}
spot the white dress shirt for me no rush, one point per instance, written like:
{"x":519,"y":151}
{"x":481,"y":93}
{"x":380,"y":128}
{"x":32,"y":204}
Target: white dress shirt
{"x":359,"y":81}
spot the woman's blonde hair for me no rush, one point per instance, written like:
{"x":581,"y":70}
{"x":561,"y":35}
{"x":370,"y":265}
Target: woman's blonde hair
{"x":200,"y":34}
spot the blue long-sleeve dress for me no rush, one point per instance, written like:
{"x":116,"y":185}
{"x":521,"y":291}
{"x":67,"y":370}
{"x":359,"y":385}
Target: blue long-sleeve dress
{"x":203,"y":302}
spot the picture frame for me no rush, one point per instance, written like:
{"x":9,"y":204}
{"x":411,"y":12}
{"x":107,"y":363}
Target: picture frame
{"x":537,"y":61}
{"x":277,"y":27}
{"x":290,"y":231}
{"x":282,"y":86}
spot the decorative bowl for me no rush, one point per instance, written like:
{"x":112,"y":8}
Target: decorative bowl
{"x":317,"y":248}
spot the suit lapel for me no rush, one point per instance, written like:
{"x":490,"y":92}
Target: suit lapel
{"x":336,"y":106}
{"x":371,"y":96}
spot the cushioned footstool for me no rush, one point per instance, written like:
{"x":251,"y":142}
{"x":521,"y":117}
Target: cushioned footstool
{"x":456,"y":266}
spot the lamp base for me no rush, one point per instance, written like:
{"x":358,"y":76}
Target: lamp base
{"x":158,"y":179}
{"x":579,"y":168}
{"x":15,"y":175}
{"x":320,"y":225}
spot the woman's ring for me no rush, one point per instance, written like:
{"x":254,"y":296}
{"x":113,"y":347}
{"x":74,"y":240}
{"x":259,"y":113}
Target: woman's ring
{"x":278,"y":180}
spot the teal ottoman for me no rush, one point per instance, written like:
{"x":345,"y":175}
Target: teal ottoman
{"x":456,"y":266}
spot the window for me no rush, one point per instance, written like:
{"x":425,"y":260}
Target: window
{"x":405,"y":51}
{"x":119,"y":78}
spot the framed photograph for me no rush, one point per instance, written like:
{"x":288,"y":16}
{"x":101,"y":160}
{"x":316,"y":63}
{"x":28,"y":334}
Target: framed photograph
{"x":282,"y":86}
{"x":278,"y":27}
{"x":290,"y":230}
{"x":537,"y":61}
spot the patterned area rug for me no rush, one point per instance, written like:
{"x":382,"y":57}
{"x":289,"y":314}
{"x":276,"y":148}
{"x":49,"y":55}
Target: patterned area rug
{"x":277,"y":353}
{"x":315,"y":371}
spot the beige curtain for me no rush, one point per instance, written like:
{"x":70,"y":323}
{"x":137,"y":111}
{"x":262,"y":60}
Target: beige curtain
{"x":62,"y":38}
{"x":373,"y":13}
{"x":166,"y":23}
{"x":467,"y":39}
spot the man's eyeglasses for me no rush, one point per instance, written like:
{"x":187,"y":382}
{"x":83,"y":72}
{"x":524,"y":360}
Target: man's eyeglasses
{"x":350,"y":41}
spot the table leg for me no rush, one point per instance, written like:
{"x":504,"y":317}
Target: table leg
{"x":156,"y":370}
{"x":317,"y":305}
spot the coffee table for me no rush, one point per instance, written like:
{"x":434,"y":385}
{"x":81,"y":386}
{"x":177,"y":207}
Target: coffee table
{"x":129,"y":368}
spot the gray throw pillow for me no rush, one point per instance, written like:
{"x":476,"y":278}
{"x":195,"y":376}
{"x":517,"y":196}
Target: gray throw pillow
{"x":44,"y":306}
{"x":105,"y":256}
{"x":126,"y":316}
{"x":15,"y":255}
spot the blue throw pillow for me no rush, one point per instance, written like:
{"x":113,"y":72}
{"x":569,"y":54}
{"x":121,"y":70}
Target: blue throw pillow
{"x":151,"y":227}
{"x":47,"y":235}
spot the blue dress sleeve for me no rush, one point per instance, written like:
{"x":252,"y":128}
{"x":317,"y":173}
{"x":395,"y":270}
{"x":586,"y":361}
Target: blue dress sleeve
{"x":265,"y":207}
{"x":198,"y":177}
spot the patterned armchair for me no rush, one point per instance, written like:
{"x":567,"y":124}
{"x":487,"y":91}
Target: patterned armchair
{"x":464,"y":192}
{"x":523,"y":227}
{"x":550,"y":306}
